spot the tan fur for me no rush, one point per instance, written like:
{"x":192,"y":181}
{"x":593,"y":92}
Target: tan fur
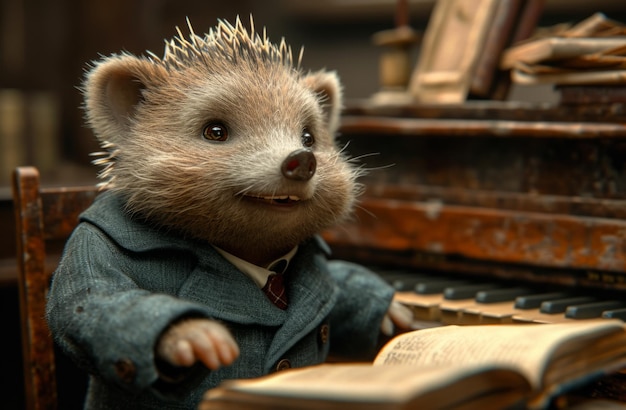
{"x":149,"y":114}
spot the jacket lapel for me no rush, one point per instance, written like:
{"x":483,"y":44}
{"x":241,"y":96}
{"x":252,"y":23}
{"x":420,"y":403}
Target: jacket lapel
{"x":312,"y":295}
{"x":228,"y":293}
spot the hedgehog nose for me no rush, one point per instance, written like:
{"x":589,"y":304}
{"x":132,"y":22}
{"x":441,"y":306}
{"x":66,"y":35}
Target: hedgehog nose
{"x":299,"y":165}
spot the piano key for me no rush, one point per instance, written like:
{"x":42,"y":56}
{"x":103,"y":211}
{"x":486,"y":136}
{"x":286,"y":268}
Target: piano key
{"x":424,"y":307}
{"x":462,"y":301}
{"x":403,"y":284}
{"x":437,"y":286}
{"x":591,"y":310}
{"x":534,"y":301}
{"x":401,"y":280}
{"x":466,"y":291}
{"x":451,"y":311}
{"x":491,"y":313}
{"x":535,"y":316}
{"x":500,"y":295}
{"x":615,"y":314}
{"x":560,"y":305}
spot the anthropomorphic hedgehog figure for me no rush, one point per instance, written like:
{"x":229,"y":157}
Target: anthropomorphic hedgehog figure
{"x":220,"y":161}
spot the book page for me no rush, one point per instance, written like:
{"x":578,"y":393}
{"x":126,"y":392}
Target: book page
{"x":337,"y":381}
{"x":547,"y":49}
{"x":365,"y":383}
{"x":526,"y":347}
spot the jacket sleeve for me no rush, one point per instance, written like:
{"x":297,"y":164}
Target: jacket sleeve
{"x":363,"y":302}
{"x":102,"y":319}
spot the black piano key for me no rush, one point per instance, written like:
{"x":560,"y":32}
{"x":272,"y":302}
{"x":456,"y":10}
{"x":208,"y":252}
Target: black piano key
{"x":389,"y":275}
{"x":437,"y":286}
{"x":615,"y":314}
{"x":466,"y":291}
{"x":401,"y":280}
{"x":500,"y":295}
{"x":404,"y":284}
{"x":560,"y":305}
{"x":591,"y":310}
{"x":534,"y":301}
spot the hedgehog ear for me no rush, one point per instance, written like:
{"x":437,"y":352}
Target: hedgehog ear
{"x":328,"y":89}
{"x":113,"y":91}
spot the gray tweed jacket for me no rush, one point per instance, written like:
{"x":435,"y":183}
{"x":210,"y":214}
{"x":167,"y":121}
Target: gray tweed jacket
{"x":122,"y":282}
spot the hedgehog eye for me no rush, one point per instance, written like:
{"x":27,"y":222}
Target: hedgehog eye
{"x":307,"y":138}
{"x":215,"y":131}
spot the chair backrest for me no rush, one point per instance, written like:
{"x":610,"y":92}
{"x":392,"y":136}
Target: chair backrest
{"x":44,"y":219}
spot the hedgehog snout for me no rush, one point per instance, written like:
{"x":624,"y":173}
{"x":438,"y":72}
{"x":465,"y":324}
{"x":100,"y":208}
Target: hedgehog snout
{"x":300,"y":165}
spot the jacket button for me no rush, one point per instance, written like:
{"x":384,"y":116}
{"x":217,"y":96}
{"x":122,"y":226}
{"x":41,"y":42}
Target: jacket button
{"x":324,"y":332}
{"x":125,"y":370}
{"x":284,"y":364}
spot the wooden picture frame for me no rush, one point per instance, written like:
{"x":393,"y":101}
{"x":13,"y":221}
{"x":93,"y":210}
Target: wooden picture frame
{"x":453,"y":41}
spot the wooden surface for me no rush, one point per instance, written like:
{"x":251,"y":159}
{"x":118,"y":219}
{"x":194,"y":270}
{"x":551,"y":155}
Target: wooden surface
{"x":37,"y":345}
{"x":481,"y":128}
{"x":518,"y":191}
{"x":540,"y":114}
{"x":44,"y":220}
{"x":455,"y":35}
{"x":504,"y":23}
{"x":508,"y":237}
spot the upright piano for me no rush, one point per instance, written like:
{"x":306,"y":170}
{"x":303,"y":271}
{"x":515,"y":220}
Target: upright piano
{"x":491,"y":212}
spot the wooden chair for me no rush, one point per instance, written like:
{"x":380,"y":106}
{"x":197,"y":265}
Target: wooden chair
{"x":45,"y":217}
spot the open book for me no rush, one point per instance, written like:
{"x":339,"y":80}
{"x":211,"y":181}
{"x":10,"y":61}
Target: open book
{"x":457,"y":367}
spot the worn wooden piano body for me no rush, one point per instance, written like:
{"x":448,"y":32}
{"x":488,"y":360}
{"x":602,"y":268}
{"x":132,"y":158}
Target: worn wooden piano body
{"x":503,"y":194}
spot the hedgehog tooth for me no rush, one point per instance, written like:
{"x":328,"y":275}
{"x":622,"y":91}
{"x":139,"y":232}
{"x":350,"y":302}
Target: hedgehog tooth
{"x":277,"y":197}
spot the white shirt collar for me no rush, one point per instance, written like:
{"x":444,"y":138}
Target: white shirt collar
{"x":257,"y":273}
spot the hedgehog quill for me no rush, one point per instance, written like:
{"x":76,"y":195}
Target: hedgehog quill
{"x":219,"y":169}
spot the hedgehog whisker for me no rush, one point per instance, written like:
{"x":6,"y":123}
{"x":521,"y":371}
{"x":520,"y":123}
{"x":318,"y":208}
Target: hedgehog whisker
{"x":368,"y":169}
{"x":345,"y":147}
{"x":244,"y":191}
{"x":366,"y":211}
{"x":360,"y":171}
{"x":360,"y":157}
